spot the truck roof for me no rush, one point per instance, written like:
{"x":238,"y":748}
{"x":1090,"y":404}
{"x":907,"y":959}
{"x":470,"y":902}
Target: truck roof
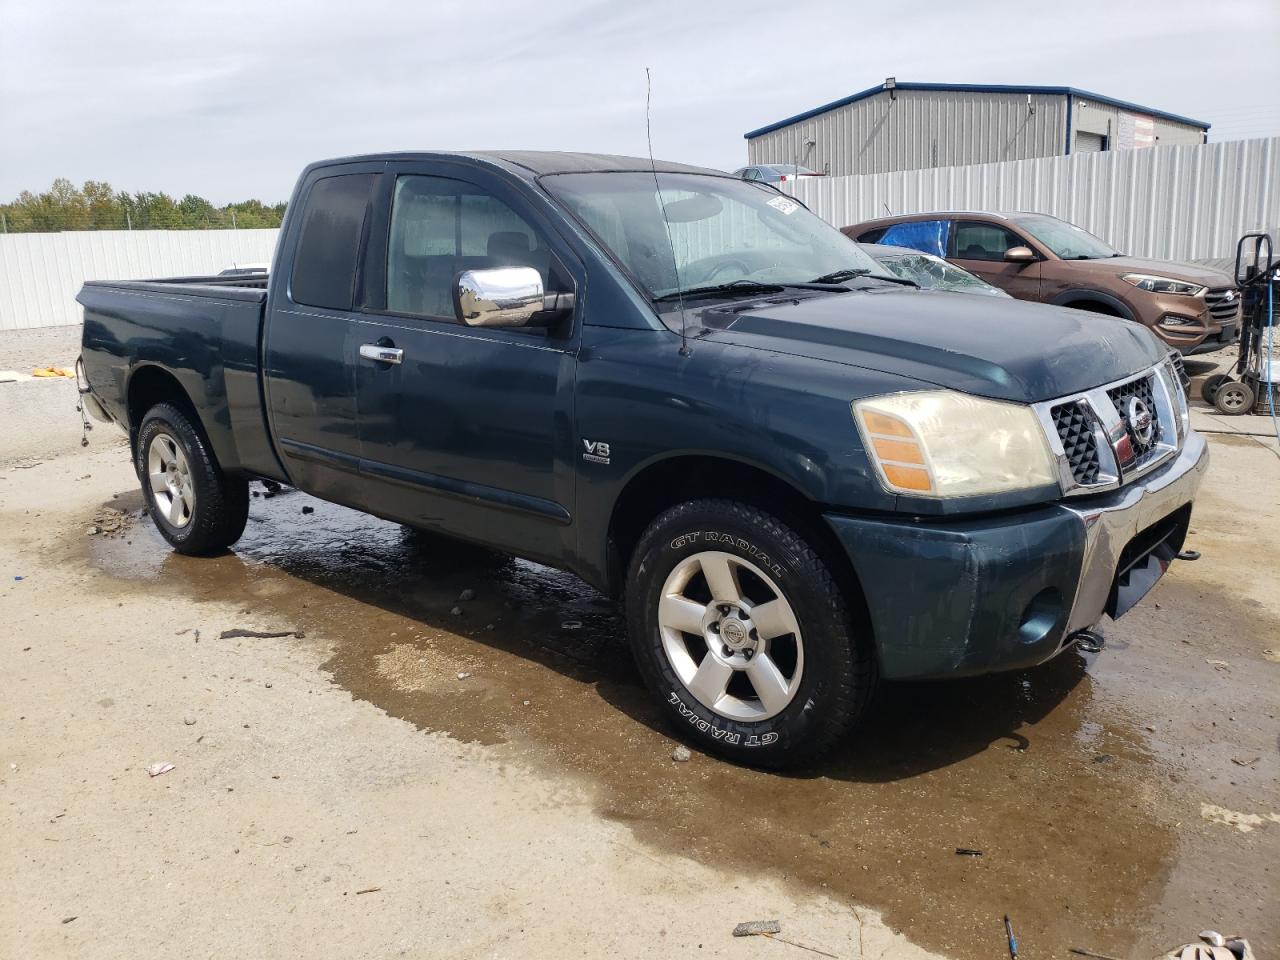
{"x":535,"y":163}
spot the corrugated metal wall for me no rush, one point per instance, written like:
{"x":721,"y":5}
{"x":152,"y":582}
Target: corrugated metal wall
{"x":41,"y":273}
{"x":1176,"y":203}
{"x":921,"y":128}
{"x":1102,"y":118}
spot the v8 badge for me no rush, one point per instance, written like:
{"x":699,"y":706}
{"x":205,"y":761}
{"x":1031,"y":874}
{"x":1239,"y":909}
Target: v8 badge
{"x":595,"y":451}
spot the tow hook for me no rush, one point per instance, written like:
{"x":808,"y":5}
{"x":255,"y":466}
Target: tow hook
{"x":1189,"y":555}
{"x":1088,"y":641}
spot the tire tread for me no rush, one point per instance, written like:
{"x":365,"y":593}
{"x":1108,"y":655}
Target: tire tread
{"x":853,"y":684}
{"x":222,"y":501}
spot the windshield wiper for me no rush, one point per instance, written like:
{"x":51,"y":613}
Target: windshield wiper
{"x":840,"y":276}
{"x":720,"y":290}
{"x":902,"y":281}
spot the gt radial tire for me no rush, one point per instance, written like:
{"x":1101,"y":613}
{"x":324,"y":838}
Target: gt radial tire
{"x":817,"y":674}
{"x":174,"y":463}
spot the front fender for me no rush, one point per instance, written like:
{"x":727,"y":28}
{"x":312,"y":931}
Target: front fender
{"x":784,"y":416}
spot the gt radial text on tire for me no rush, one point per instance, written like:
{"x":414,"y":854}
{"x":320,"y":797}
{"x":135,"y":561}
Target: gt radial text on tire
{"x":744,"y":635}
{"x":195,"y":505}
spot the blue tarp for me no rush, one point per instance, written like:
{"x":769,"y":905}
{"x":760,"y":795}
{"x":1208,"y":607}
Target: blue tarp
{"x":929,"y":236}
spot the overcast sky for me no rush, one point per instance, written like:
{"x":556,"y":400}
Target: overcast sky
{"x":230,"y":99}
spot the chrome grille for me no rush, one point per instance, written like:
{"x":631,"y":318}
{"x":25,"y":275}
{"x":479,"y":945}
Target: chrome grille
{"x":1140,"y":390}
{"x":1075,"y":428}
{"x":1181,"y":369}
{"x":1223,"y":303}
{"x":1096,"y":435}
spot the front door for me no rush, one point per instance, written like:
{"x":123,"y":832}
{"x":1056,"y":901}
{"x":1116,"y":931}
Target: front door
{"x":979,"y":247}
{"x":468,"y":430}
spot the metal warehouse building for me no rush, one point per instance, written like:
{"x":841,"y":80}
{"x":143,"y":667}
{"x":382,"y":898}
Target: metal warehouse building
{"x":909,"y":126}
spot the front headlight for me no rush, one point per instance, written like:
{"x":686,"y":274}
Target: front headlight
{"x":939,"y":443}
{"x":1153,"y":284}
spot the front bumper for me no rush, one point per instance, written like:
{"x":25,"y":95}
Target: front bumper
{"x":1228,"y":334}
{"x":1007,"y":592}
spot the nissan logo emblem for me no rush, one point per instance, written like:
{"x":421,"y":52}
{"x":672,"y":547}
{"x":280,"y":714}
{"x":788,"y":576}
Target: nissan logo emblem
{"x":1140,"y":421}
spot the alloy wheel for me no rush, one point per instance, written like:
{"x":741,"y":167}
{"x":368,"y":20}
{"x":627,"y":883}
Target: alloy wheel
{"x":731,"y":636}
{"x":169,"y":475}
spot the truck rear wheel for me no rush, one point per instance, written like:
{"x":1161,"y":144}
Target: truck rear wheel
{"x":743,"y":634}
{"x":197,"y":507}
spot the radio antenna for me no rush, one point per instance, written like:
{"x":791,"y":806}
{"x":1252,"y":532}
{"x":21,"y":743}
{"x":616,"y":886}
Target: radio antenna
{"x":653,"y":168}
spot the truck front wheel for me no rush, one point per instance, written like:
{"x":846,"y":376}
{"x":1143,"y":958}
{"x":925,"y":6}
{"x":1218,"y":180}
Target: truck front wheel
{"x":197,"y":507}
{"x":744,"y":635}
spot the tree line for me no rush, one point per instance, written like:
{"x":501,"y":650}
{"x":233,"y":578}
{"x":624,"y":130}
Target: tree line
{"x":98,"y":206}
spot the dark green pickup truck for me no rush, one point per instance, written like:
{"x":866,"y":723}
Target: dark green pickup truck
{"x":801,"y":472}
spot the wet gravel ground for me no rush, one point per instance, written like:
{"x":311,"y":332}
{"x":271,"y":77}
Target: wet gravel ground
{"x":23,"y":350}
{"x":1120,"y":801}
{"x":38,"y":418}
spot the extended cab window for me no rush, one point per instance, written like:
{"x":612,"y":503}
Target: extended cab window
{"x":983,"y":241}
{"x":441,"y":227}
{"x":324,"y":268}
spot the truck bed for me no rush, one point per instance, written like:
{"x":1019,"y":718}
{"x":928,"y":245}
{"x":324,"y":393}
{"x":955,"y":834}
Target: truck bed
{"x":203,"y":332}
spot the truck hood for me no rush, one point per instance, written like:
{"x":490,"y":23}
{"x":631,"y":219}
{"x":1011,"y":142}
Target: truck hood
{"x":987,"y":346}
{"x":1174,"y":270}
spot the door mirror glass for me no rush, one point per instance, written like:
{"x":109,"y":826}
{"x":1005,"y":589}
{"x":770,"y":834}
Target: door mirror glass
{"x":1019,"y":255}
{"x":501,"y":297}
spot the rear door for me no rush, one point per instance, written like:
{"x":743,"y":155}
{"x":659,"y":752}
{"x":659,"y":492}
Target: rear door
{"x":307,"y":355}
{"x":979,"y":246}
{"x":471,"y":430}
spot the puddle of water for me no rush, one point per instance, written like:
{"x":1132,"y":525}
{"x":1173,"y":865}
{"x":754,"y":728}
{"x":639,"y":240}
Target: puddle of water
{"x":1058,"y":786}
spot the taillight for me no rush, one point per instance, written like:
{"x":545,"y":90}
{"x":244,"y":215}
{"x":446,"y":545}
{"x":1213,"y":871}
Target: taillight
{"x":782,"y":178}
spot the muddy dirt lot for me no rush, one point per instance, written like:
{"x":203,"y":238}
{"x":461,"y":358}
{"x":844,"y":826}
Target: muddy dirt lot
{"x":396,"y":778}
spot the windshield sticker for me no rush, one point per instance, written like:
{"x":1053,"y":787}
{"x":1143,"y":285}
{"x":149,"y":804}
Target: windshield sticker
{"x":787,"y":207}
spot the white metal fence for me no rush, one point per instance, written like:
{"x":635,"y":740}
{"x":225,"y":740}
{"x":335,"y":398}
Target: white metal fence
{"x":1173,"y":203}
{"x":41,"y":273}
{"x":1177,"y":203}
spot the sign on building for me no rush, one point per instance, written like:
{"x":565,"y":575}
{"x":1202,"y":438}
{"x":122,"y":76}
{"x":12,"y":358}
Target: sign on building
{"x":1135,"y":131}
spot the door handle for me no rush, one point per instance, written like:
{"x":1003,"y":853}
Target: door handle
{"x":376,"y":351}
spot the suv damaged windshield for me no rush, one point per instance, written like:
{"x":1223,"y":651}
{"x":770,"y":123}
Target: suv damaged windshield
{"x":693,"y":235}
{"x":1066,"y":240}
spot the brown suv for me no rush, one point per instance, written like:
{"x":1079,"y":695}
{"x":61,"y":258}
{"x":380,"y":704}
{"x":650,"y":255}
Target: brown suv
{"x":1037,"y":257}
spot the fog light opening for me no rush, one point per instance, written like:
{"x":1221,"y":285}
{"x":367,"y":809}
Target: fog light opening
{"x":1040,"y":616}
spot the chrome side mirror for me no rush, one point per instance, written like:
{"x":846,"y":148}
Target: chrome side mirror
{"x":501,"y":297}
{"x":1020,"y":255}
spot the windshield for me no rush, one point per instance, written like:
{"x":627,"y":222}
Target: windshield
{"x":1066,"y":240}
{"x":722,"y":230}
{"x":934,"y":273}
